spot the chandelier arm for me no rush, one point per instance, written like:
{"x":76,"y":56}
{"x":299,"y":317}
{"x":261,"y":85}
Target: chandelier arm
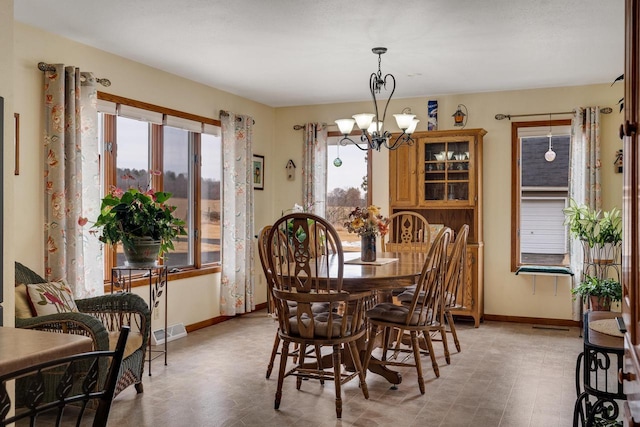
{"x":374,"y":86}
{"x":364,"y":138}
{"x":393,"y":89}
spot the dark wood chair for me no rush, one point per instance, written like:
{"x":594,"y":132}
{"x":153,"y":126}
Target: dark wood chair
{"x":408,"y":232}
{"x":455,"y":280}
{"x":82,"y":380}
{"x":419,"y":318}
{"x":307,"y":281}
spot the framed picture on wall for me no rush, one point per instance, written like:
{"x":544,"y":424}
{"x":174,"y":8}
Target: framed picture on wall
{"x":258,"y":172}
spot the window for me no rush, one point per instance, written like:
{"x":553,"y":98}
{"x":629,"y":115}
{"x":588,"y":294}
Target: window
{"x":540,"y":191}
{"x":168,"y":151}
{"x":347,"y":187}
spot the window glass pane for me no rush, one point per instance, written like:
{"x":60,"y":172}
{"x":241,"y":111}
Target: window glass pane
{"x":176,"y":181}
{"x":543,"y":195}
{"x":210,"y":186}
{"x":132,"y":160}
{"x":346,"y":188}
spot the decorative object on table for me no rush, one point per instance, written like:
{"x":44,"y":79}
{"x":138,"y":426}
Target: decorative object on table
{"x":368,"y":224}
{"x":432,"y":114}
{"x":143,"y":222}
{"x":599,"y":293}
{"x":291,"y":170}
{"x":600,"y":231}
{"x":258,"y":172}
{"x":371,"y":124}
{"x":460,"y":117}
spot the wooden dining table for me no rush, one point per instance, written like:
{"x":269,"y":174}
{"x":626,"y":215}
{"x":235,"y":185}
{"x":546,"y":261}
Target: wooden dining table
{"x":392,"y":270}
{"x":20,"y":348}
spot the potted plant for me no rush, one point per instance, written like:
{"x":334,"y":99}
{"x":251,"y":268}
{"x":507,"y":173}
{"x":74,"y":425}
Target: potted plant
{"x":600,"y":293}
{"x":599,"y":231}
{"x":143,"y":222}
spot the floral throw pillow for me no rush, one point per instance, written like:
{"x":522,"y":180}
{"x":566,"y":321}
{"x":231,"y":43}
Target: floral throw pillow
{"x":51,"y":298}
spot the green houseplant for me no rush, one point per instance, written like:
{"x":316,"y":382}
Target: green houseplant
{"x":134,"y":217}
{"x":594,"y":227}
{"x":599,"y":292}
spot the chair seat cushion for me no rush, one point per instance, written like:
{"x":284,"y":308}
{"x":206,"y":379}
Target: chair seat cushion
{"x":407,"y":296}
{"x":316,"y":307}
{"x":134,"y":341}
{"x":321,"y":325}
{"x":391,"y":313}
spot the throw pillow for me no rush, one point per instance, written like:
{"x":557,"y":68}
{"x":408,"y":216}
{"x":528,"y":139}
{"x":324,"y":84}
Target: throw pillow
{"x":51,"y":298}
{"x":23,"y":308}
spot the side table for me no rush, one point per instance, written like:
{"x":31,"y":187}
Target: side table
{"x":158,"y":279}
{"x":597,"y":385}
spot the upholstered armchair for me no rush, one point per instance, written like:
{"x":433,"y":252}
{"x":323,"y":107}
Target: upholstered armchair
{"x":99,"y":318}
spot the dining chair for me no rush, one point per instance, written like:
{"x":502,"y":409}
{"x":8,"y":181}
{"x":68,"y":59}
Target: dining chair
{"x":455,"y":280}
{"x":418,"y":318}
{"x":305,"y":281}
{"x":81,"y":380}
{"x":408,"y":232}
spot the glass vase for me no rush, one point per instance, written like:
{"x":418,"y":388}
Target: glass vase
{"x":368,"y":247}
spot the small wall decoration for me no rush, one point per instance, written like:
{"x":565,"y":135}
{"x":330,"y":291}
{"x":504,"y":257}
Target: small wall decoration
{"x":432,"y":114}
{"x":618,"y":161}
{"x":291,"y":170}
{"x":258,"y":172}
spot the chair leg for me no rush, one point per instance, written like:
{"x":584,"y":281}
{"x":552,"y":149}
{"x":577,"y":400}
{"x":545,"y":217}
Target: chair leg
{"x":445,"y":344}
{"x":416,"y":356}
{"x":337,"y":378}
{"x":319,"y":362}
{"x":283,"y":367}
{"x":372,"y":337}
{"x":302,"y":353}
{"x":274,"y":352}
{"x":452,"y":326}
{"x":139,"y":388}
{"x":355,"y":355}
{"x":434,"y":362}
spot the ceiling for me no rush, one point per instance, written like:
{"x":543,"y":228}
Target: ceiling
{"x":301,"y":52}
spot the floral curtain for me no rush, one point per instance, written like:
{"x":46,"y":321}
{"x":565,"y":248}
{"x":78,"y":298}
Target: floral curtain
{"x":237,"y":287}
{"x":314,"y":168}
{"x":72,"y":180}
{"x":584,"y":178}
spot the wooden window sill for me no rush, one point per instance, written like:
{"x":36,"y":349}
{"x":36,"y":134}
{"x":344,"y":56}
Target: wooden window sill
{"x":184,"y":273}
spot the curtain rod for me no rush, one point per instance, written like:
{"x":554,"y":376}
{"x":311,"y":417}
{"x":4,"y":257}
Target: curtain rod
{"x":604,"y":110}
{"x":43,"y":66}
{"x":238,"y":118}
{"x":299,"y":127}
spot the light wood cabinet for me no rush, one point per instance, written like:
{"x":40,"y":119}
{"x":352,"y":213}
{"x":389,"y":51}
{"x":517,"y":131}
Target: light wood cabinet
{"x":440,"y":177}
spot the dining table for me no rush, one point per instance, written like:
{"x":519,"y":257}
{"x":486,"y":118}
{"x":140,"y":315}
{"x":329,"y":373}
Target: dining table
{"x":390,"y":270}
{"x":21,"y":348}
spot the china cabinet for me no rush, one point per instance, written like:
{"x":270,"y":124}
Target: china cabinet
{"x":440,"y":177}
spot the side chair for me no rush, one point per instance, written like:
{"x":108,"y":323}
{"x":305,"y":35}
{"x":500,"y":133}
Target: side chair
{"x":408,"y":232}
{"x":305,"y":281}
{"x":455,"y":280}
{"x":418,"y":318}
{"x":83,"y":379}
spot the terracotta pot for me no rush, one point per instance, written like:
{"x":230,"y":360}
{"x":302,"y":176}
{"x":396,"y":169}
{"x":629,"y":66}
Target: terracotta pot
{"x":599,"y":303}
{"x":144,"y":253}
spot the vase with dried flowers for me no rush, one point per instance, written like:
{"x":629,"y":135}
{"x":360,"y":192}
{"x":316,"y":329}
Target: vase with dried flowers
{"x":368,"y":224}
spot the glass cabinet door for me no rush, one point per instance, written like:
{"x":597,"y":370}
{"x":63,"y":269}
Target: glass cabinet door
{"x":446,"y":169}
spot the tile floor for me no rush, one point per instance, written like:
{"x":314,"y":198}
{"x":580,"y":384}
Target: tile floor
{"x":507,"y":375}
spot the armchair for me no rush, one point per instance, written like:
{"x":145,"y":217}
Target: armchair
{"x":101,"y":319}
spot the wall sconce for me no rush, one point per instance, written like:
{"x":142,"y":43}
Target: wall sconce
{"x":291,"y":170}
{"x":460,"y":117}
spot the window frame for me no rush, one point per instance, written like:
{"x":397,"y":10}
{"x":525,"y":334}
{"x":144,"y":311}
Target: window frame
{"x":109,"y":177}
{"x":516,"y":184}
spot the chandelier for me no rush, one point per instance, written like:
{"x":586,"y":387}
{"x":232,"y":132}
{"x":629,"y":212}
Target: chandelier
{"x":371,"y":124}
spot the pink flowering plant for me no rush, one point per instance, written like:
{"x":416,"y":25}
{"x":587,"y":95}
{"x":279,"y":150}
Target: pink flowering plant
{"x":130,"y":214}
{"x":367,"y":222}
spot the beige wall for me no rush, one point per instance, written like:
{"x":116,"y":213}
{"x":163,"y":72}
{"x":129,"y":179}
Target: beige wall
{"x":505,"y":293}
{"x":195,"y":300}
{"x":6,"y":91}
